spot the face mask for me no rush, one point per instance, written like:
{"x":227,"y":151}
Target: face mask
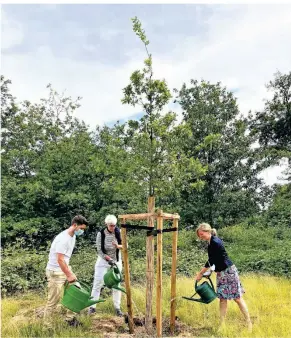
{"x":79,"y":232}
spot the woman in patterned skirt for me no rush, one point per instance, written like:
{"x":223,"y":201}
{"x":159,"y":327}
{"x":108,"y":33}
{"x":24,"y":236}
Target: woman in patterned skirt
{"x":228,"y":283}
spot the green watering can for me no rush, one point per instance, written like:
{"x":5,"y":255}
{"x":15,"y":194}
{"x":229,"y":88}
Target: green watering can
{"x":77,"y":296}
{"x":205,"y":291}
{"x":112,"y":278}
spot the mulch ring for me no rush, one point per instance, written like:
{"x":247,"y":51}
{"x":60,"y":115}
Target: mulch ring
{"x":117,"y":327}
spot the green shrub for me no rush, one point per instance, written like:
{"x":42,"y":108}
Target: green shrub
{"x":259,"y":249}
{"x":22,"y":270}
{"x":252,"y":249}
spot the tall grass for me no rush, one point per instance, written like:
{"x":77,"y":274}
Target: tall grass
{"x":268,"y":299}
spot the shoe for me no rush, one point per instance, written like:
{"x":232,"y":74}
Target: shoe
{"x":74,"y":322}
{"x":91,"y":310}
{"x":250,"y":326}
{"x":118,"y":313}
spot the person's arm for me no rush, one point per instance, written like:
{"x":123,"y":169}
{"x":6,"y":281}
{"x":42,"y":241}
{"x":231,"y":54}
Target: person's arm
{"x":71,"y":277}
{"x":200,"y":273}
{"x":118,"y":246}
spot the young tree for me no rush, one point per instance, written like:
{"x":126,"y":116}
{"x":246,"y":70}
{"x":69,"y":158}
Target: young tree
{"x":154,"y":145}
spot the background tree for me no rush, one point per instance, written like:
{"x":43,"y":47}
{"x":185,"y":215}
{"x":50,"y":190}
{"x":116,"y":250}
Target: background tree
{"x":221,"y":141}
{"x":272,"y":126}
{"x":43,"y":166}
{"x":279,"y":212}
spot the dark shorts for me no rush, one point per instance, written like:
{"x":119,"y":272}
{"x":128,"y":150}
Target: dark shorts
{"x":228,"y":284}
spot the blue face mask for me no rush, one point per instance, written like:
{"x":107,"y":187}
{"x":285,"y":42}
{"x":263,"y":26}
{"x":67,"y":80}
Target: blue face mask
{"x":79,"y":232}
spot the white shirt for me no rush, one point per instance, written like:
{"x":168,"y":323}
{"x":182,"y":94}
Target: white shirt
{"x":63,"y":244}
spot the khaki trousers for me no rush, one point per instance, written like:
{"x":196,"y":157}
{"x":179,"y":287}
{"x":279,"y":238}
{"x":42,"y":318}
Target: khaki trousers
{"x":56,"y":282}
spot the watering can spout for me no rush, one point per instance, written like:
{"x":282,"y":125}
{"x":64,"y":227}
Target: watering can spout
{"x":196,"y":300}
{"x":199,"y":301}
{"x":118,"y":287}
{"x":93,"y":302}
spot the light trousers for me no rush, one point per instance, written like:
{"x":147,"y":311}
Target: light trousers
{"x":101,"y":267}
{"x":56,"y":282}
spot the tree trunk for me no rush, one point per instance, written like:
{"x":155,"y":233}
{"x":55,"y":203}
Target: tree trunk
{"x":149,"y":268}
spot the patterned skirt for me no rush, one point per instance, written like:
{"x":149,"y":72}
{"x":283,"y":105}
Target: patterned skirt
{"x":228,"y":284}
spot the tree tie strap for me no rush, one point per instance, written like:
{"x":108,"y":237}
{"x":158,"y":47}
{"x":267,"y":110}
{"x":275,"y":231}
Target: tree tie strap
{"x":156,"y":232}
{"x":150,"y":230}
{"x":137,"y":227}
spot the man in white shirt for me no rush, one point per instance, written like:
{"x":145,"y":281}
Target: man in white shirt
{"x":58,"y":270}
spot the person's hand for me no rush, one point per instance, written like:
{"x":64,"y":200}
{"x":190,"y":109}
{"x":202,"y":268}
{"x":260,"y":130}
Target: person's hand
{"x":114,"y":243}
{"x":198,"y":276}
{"x":71,"y":278}
{"x":109,"y":260}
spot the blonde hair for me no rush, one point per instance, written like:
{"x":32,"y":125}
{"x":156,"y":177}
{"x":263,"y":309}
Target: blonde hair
{"x":206,"y":228}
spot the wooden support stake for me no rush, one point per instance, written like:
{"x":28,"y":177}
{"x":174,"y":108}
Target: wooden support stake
{"x":170,"y":216}
{"x":150,"y":250}
{"x":159,"y":273}
{"x":137,"y":216}
{"x":173,"y":275}
{"x":127,"y":278}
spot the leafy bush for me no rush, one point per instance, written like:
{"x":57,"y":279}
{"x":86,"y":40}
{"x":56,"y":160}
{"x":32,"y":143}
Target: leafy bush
{"x":256,"y":249}
{"x":259,"y":249}
{"x":34,"y":231}
{"x":22,"y":269}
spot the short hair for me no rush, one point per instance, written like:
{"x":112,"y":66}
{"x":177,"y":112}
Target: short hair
{"x":110,"y":219}
{"x":207,"y":228}
{"x":79,"y":220}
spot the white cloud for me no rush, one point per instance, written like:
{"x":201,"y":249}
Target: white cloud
{"x":100,"y":85}
{"x":274,"y":174}
{"x":11,"y":32}
{"x":108,"y":33}
{"x":243,"y":47}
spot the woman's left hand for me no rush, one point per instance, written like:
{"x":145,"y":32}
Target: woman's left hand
{"x":198,"y":276}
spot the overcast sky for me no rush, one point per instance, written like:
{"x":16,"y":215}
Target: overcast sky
{"x":90,"y":51}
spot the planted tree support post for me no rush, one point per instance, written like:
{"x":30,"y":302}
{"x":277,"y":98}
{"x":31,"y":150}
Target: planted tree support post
{"x":150,"y":217}
{"x":173,"y":275}
{"x":149,"y":267}
{"x":159,"y":272}
{"x":136,"y":216}
{"x":127,"y":278}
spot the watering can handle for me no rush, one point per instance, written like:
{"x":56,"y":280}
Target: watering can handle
{"x":207,"y":277}
{"x":67,"y":283}
{"x":115,"y":266}
{"x":211,"y":283}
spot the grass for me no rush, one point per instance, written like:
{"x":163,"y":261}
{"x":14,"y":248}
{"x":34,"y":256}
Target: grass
{"x":267,"y":297}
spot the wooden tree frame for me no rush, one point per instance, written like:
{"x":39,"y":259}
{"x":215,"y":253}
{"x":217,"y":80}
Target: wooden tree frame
{"x":160,"y":216}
